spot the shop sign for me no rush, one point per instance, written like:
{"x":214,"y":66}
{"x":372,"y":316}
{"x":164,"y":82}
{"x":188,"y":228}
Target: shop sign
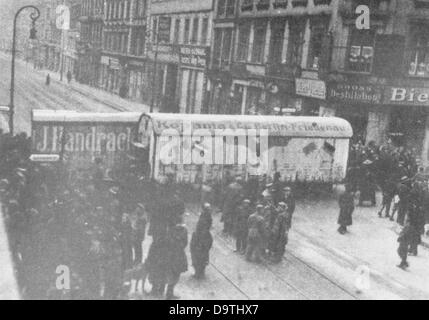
{"x":194,"y":56}
{"x":310,"y":88}
{"x":355,"y":93}
{"x":406,"y":96}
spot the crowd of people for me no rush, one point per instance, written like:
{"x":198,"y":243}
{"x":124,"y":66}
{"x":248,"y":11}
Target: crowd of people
{"x":97,"y":227}
{"x":404,"y":186}
{"x":259,"y":222}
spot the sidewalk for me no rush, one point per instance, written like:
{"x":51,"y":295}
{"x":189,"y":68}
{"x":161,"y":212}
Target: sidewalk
{"x":112,"y":100}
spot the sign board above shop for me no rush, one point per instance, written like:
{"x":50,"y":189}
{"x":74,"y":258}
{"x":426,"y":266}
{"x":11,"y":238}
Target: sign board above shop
{"x":406,"y":96}
{"x":311,"y":88}
{"x":355,"y":93}
{"x":194,"y":56}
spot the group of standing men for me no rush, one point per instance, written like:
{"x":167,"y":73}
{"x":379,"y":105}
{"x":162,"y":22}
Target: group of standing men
{"x":260,"y":227}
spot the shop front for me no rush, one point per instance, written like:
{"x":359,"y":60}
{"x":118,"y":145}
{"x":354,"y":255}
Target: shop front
{"x":361,"y":106}
{"x":136,"y":77}
{"x":110,"y":74}
{"x":408,"y":125}
{"x":193,"y":78}
{"x":265,"y":96}
{"x":314,"y":94}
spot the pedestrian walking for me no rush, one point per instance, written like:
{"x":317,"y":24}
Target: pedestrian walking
{"x":48,"y":79}
{"x":233,"y":196}
{"x":389,"y":190}
{"x":256,"y":234}
{"x":240,"y":227}
{"x":138,"y":232}
{"x":125,"y":236}
{"x":69,"y":76}
{"x":177,"y":241}
{"x":404,"y":241}
{"x":201,"y":243}
{"x":346,"y":203}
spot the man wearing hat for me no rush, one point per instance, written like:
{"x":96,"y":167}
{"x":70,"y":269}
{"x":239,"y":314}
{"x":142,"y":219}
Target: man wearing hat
{"x":347,"y":206}
{"x":233,"y":196}
{"x":240,"y":226}
{"x":202,"y":242}
{"x":256,"y":235}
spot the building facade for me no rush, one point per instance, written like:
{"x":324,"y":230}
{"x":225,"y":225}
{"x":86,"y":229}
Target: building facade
{"x":179,"y":48}
{"x":378,"y":77}
{"x":56,"y":49}
{"x":262,"y":48}
{"x":123,"y":54}
{"x":90,"y":41}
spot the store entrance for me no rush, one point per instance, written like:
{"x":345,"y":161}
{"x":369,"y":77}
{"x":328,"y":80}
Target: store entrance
{"x":357,"y":116}
{"x":407,"y":127}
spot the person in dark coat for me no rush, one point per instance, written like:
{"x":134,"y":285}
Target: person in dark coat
{"x":404,"y":241}
{"x":125,"y":236}
{"x":389,"y":190}
{"x":138,"y":232}
{"x":281,"y":232}
{"x":289,"y":199}
{"x":416,"y":216}
{"x":48,"y":80}
{"x":240,"y":227}
{"x":233,"y":196}
{"x":157,"y":264}
{"x":69,"y":76}
{"x":347,"y":207}
{"x":202,"y":242}
{"x":256,"y":235}
{"x":177,"y":263}
{"x":403,"y":190}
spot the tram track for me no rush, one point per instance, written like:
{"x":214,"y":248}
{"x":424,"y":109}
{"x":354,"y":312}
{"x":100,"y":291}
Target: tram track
{"x":305,"y":295}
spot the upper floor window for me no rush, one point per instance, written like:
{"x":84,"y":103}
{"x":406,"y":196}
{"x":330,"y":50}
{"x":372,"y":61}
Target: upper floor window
{"x":319,"y":29}
{"x":222,"y":47}
{"x":263,"y":4}
{"x":418,"y":51}
{"x":243,"y":41}
{"x":176,"y":33}
{"x":204,"y":31}
{"x":296,"y":41}
{"x":187,"y":31}
{"x":361,"y":51}
{"x":226,"y":8}
{"x":277,"y":41}
{"x":258,"y":48}
{"x":194,"y":36}
{"x":246,"y":5}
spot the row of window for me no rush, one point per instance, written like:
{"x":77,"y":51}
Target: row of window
{"x":121,"y":9}
{"x":227,"y":8}
{"x":116,"y":42}
{"x":181,"y":30}
{"x":284,"y":46}
{"x":260,"y":5}
{"x":92,"y":33}
{"x":92,"y":7}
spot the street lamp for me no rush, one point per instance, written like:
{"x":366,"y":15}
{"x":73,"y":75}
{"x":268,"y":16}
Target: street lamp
{"x":34,"y":16}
